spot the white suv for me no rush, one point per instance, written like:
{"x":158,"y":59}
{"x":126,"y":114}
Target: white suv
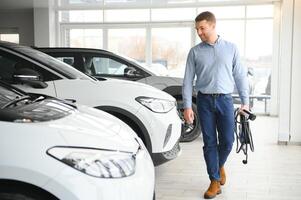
{"x":105,"y":64}
{"x":51,"y":150}
{"x":151,"y":113}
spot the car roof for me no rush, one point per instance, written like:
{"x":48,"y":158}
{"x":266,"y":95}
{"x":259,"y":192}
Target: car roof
{"x":72,"y":49}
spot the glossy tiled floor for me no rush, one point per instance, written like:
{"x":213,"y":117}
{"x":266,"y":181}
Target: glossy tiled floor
{"x":272,"y":173}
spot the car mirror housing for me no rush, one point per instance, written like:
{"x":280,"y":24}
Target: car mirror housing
{"x":132,"y":73}
{"x":30,"y":77}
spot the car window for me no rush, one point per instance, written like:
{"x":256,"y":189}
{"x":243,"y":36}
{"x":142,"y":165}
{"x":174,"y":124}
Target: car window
{"x":102,"y":65}
{"x":67,"y":59}
{"x":142,"y":66}
{"x":9,"y":64}
{"x":53,"y":63}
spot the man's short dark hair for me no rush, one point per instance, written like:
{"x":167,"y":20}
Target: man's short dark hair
{"x":208,"y":16}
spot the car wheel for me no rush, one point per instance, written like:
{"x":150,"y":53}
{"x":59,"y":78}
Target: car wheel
{"x":20,"y":196}
{"x":14,"y":192}
{"x":9,"y":196}
{"x":189,"y":131}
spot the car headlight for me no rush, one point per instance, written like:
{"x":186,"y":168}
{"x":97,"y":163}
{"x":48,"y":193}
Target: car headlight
{"x":96,"y":162}
{"x":157,"y":105}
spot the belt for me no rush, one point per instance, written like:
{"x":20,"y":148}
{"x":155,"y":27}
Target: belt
{"x":213,"y":94}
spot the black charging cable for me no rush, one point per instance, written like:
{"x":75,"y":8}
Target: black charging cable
{"x":243,"y":131}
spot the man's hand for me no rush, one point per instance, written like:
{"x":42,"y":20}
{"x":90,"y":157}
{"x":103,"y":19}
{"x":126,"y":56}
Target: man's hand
{"x":244,"y":107}
{"x":188,"y":115}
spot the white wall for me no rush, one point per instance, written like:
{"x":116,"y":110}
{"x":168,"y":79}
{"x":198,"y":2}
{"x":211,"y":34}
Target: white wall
{"x":285,"y":60}
{"x":21,"y":20}
{"x":44,"y":24}
{"x":290,"y":73}
{"x":296,"y":76}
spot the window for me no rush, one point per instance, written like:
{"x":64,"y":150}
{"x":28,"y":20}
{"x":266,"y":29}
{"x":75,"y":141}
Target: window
{"x":259,"y":39}
{"x":225,"y":12}
{"x":173,"y":14}
{"x":260,"y":11}
{"x":11,"y":37}
{"x":126,"y":3}
{"x":170,"y":47}
{"x":129,"y":42}
{"x":127,"y":15}
{"x":161,"y":32}
{"x":259,"y":44}
{"x":91,"y":38}
{"x":81,"y":16}
{"x":79,"y":2}
{"x":164,"y":3}
{"x":225,"y":29}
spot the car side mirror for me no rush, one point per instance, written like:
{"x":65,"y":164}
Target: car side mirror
{"x":30,"y":77}
{"x":132,"y":73}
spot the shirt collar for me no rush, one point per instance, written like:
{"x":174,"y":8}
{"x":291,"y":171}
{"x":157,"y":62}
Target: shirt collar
{"x":216,"y":42}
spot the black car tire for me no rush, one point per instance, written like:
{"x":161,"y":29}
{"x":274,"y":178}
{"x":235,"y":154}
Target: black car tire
{"x":19,"y":191}
{"x":21,"y":196}
{"x":189,"y":131}
{"x":11,"y":196}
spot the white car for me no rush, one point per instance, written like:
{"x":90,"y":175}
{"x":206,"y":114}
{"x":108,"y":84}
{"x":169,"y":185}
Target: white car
{"x":105,"y":64}
{"x":150,"y":112}
{"x":52,"y":150}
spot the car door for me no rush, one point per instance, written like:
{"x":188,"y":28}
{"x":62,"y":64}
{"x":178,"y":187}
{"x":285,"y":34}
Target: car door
{"x":85,"y":92}
{"x":11,"y":63}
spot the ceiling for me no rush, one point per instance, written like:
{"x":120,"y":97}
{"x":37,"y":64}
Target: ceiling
{"x":30,"y":4}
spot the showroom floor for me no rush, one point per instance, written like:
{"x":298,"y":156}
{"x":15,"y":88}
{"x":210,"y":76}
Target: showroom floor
{"x":272,"y":173}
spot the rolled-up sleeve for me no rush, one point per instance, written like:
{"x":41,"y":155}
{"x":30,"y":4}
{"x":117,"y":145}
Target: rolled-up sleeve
{"x":187,"y":88}
{"x":240,"y":78}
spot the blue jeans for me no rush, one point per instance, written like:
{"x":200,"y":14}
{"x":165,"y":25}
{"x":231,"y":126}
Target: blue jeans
{"x":217,"y":123}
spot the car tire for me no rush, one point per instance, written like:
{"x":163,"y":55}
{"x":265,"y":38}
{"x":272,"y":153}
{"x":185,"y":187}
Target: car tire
{"x":189,"y":131}
{"x":11,"y":196}
{"x":21,"y":196}
{"x":23,"y":192}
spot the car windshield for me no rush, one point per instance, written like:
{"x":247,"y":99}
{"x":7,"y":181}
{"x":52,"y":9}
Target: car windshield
{"x":142,"y":65}
{"x":53,"y":63}
{"x":7,"y":95}
{"x":155,"y":69}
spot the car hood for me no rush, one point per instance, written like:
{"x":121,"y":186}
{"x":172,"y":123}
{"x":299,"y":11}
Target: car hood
{"x":39,"y":111}
{"x":162,"y":82}
{"x":172,"y":80}
{"x":89,"y":127}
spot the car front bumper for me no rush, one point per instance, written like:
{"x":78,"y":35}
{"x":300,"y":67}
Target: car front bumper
{"x":74,"y":185}
{"x":164,"y":128}
{"x":160,"y":158}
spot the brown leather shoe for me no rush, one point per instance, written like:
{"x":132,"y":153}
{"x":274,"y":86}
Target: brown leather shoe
{"x":222,"y":173}
{"x":213,"y":190}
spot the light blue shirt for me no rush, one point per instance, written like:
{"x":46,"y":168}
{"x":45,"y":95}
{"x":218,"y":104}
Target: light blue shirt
{"x":217,"y":68}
